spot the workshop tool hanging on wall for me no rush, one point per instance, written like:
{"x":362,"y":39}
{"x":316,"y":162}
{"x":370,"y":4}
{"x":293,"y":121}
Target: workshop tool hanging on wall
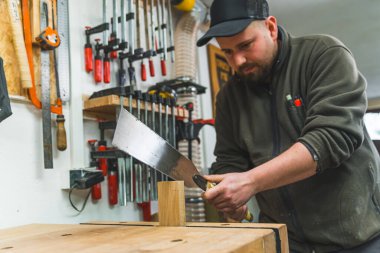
{"x":141,"y":188}
{"x":29,"y":51}
{"x":131,"y":38}
{"x":179,"y":84}
{"x":108,"y":51}
{"x":160,"y":49}
{"x":102,"y":146}
{"x":5,"y":105}
{"x":154,"y":173}
{"x":122,"y":74}
{"x":63,"y":57}
{"x":173,"y":120}
{"x":104,"y":16}
{"x":143,"y":69}
{"x":137,"y":166}
{"x":57,"y":109}
{"x":60,"y":120}
{"x":18,"y":42}
{"x":98,"y":69}
{"x":114,"y":41}
{"x":170,"y":30}
{"x":131,"y":136}
{"x":146,"y":169}
{"x":89,"y":66}
{"x":47,"y":38}
{"x":96,"y":190}
{"x":139,"y":50}
{"x":188,"y":129}
{"x":112,"y":182}
{"x":152,"y":36}
{"x":190,"y":108}
{"x":149,"y":48}
{"x":163,"y":30}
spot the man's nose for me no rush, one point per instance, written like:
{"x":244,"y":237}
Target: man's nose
{"x":239,"y":59}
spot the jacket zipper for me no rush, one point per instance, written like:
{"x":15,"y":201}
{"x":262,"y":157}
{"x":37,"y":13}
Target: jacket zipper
{"x":284,"y":193}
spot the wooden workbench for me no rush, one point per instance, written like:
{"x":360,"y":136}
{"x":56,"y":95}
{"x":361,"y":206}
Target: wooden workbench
{"x":144,"y":237}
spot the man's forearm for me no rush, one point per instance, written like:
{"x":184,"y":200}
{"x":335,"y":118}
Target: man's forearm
{"x":293,"y":165}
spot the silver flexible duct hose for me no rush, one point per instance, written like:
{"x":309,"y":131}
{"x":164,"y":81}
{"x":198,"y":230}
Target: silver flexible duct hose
{"x":185,"y":66}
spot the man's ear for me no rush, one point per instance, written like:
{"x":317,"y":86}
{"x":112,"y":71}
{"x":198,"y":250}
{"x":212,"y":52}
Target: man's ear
{"x":271,"y":24}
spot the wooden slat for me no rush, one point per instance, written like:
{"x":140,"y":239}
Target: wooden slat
{"x":105,"y":107}
{"x":108,"y":238}
{"x":171,"y":203}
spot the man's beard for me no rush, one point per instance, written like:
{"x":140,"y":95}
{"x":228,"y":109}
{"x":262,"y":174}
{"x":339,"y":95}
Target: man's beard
{"x":262,"y":71}
{"x":260,"y":75}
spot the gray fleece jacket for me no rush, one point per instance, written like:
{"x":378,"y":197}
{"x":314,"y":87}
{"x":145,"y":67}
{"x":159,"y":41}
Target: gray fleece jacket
{"x":339,"y":207}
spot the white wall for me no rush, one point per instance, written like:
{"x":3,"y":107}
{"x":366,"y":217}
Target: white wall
{"x":354,"y":22}
{"x":28,"y":192}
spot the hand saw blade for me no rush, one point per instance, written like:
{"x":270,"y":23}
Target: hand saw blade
{"x":135,"y":138}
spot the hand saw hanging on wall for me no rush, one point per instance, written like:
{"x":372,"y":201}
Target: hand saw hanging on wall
{"x":48,"y":39}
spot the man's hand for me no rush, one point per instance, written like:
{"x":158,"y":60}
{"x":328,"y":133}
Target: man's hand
{"x":232,"y":191}
{"x":238,"y":214}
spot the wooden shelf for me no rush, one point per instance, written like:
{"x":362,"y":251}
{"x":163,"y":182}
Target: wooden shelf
{"x":104,"y":108}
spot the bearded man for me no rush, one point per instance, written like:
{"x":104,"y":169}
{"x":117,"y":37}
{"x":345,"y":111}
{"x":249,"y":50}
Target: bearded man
{"x":290,"y":132}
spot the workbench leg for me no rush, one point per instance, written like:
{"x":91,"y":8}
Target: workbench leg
{"x":171,"y":203}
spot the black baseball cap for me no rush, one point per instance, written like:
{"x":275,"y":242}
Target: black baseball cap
{"x":230,"y":17}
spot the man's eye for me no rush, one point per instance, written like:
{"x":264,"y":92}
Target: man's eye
{"x":245,"y":46}
{"x":227,"y":52}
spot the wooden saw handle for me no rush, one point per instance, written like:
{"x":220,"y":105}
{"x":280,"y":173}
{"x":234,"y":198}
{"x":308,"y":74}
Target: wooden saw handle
{"x":18,"y":42}
{"x":61,"y":133}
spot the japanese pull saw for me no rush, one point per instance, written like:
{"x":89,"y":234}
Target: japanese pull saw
{"x":138,"y":140}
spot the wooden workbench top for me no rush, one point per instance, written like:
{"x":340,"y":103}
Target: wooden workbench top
{"x":136,"y":237}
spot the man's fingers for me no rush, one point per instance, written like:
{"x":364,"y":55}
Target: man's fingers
{"x":214,"y":178}
{"x":211,"y":194}
{"x":222,"y":205}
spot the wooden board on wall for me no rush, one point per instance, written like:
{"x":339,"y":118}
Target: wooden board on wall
{"x":7,"y":52}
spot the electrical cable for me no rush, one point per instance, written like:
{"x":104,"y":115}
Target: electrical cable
{"x":85,"y":201}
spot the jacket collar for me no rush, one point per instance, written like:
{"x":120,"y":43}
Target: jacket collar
{"x":283,"y":49}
